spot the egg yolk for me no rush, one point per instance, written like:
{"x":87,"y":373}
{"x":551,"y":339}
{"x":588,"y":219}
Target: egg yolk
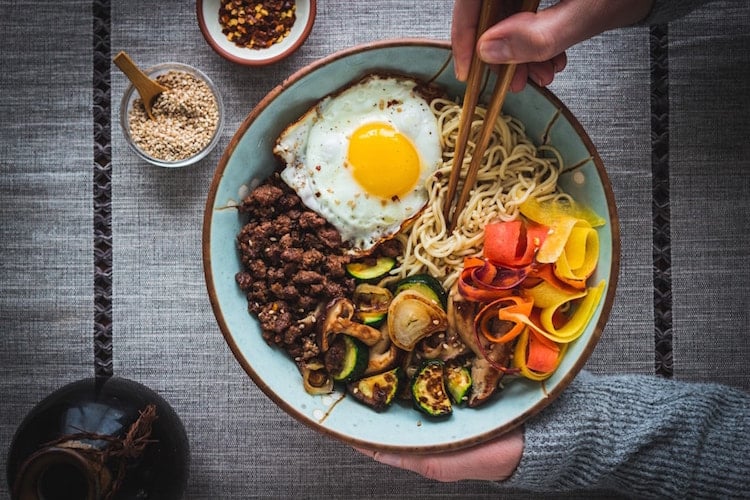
{"x":383,"y":161}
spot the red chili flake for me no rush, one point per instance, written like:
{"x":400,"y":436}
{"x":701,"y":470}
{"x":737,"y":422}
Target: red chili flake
{"x":257,"y":24}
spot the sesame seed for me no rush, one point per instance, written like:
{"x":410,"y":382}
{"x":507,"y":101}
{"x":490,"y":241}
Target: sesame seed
{"x":186,"y":117}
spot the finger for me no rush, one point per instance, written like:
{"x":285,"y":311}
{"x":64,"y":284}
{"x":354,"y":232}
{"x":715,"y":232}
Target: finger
{"x":521,"y":38}
{"x":414,"y":463}
{"x":536,"y":37}
{"x":439,"y":468}
{"x":463,"y":35}
{"x":519,"y":78}
{"x":559,"y":62}
{"x":542,"y":73}
{"x":495,"y":460}
{"x":483,"y":463}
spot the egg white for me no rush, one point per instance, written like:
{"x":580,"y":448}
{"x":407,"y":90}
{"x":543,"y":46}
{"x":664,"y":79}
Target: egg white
{"x":314,"y":149}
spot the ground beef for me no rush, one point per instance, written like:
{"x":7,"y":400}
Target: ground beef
{"x":311,"y":220}
{"x":294,"y":263}
{"x":288,"y":254}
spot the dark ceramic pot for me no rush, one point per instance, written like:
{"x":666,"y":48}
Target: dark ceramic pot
{"x":99,"y":438}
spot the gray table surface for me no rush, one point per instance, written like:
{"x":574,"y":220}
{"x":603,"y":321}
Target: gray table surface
{"x":163,"y":332}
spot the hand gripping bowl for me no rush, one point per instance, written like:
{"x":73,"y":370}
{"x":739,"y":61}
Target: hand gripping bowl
{"x":249,"y":159}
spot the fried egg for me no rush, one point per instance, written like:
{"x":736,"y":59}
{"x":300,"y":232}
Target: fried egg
{"x":360,"y":158}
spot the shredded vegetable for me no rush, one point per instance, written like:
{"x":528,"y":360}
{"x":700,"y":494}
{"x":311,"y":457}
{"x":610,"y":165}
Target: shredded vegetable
{"x":533,"y":281}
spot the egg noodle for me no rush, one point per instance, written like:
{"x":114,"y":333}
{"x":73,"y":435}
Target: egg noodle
{"x":512,"y":171}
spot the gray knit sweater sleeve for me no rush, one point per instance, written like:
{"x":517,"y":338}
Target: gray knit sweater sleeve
{"x":642,"y":436}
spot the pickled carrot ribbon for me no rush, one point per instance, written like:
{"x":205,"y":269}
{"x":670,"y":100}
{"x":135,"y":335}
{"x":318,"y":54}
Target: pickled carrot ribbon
{"x":554,"y":244}
{"x":572,"y":243}
{"x":473,"y":262}
{"x":508,"y":309}
{"x":512,"y":243}
{"x":547,"y":259}
{"x":576,"y":324}
{"x":536,"y":357}
{"x":482,"y":281}
{"x":546,"y":295}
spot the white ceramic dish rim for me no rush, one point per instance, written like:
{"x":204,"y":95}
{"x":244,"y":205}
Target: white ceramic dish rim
{"x":131,"y":94}
{"x":208,"y":11}
{"x":344,"y":419}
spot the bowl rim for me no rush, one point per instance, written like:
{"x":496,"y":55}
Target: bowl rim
{"x":130,"y":92}
{"x":260,"y":61}
{"x":552,"y":394}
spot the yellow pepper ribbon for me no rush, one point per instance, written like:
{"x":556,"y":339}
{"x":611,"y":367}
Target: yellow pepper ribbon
{"x":576,"y":324}
{"x":572,"y":243}
{"x":548,"y":296}
{"x":550,"y":299}
{"x":549,"y":211}
{"x":580,"y":254}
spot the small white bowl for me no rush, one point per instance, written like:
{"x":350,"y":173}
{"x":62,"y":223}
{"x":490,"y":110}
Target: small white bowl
{"x":208,"y":20}
{"x":131,"y":94}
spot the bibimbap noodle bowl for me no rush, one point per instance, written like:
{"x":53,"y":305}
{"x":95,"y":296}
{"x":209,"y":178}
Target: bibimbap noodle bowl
{"x":249,"y":159}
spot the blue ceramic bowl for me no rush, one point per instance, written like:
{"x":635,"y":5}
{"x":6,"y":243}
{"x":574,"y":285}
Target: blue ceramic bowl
{"x":248,"y":159}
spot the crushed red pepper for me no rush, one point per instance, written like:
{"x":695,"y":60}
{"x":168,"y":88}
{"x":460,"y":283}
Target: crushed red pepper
{"x":257,"y":24}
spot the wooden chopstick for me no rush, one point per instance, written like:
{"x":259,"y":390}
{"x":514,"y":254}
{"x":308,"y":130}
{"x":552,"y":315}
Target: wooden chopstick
{"x":471,"y":97}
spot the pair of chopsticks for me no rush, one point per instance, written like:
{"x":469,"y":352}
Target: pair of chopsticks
{"x":490,"y":12}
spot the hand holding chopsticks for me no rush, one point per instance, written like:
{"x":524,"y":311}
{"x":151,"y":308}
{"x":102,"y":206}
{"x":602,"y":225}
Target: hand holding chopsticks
{"x":490,"y":12}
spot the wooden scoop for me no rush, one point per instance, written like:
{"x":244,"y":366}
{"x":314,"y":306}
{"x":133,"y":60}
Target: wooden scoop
{"x":148,"y":89}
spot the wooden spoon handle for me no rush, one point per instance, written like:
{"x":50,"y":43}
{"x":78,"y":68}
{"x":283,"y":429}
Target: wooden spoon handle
{"x":147,"y":88}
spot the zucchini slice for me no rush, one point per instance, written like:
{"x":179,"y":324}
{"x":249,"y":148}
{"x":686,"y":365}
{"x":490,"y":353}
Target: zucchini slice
{"x":376,"y":391}
{"x":371,"y":303}
{"x":346,"y":358}
{"x":426,"y":285}
{"x":428,"y":389}
{"x":369,"y":270}
{"x":371,"y":318}
{"x":458,"y":383}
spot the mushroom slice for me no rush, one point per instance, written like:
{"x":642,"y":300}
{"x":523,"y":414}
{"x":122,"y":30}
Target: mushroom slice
{"x":338,"y":319}
{"x":485,"y":379}
{"x":485,"y":376}
{"x":384,"y":355}
{"x":461,"y":314}
{"x":445,"y":346}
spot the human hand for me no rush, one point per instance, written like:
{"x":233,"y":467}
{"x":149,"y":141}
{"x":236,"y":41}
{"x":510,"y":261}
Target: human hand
{"x":492,"y":461}
{"x":536,"y":42}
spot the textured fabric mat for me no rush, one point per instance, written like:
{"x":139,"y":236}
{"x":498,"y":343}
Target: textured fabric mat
{"x":46,"y":314}
{"x":152,"y":322}
{"x":710,"y":166}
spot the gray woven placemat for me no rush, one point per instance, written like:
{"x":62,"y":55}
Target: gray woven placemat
{"x":113,"y":246}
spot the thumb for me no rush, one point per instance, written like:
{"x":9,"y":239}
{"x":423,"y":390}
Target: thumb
{"x":531,"y":37}
{"x":536,"y":37}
